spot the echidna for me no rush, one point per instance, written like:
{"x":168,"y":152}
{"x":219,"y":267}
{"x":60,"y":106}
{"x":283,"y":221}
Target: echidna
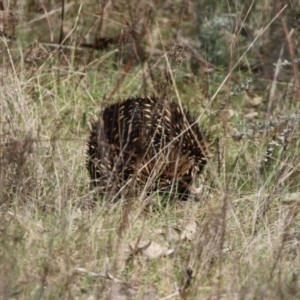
{"x":148,"y":142}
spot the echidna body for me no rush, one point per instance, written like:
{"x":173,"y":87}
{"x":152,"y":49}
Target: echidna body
{"x":147,"y":142}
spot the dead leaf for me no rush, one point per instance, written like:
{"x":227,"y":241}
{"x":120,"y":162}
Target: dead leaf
{"x":138,"y":248}
{"x":160,"y":231}
{"x":197,"y":191}
{"x":151,"y":249}
{"x":255,"y":101}
{"x":251,"y":116}
{"x":228,"y":114}
{"x":172,"y":234}
{"x":155,"y":250}
{"x":291,"y":198}
{"x":189,"y":230}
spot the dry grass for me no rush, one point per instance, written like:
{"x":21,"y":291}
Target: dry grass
{"x":241,"y":241}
